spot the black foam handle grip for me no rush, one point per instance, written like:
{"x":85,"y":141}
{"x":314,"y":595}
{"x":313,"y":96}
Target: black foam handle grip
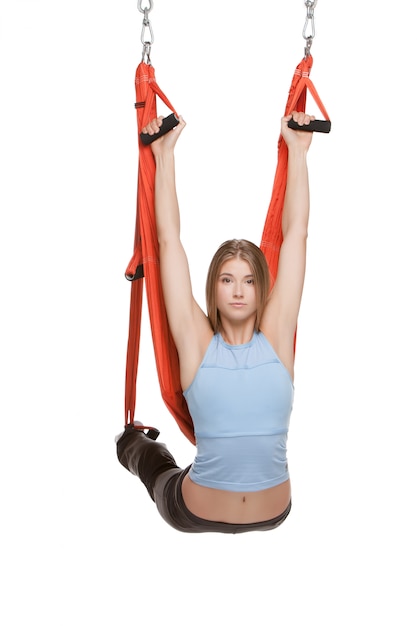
{"x":315,"y":126}
{"x":168,"y":123}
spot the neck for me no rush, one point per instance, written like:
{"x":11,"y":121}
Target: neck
{"x":236,"y":335}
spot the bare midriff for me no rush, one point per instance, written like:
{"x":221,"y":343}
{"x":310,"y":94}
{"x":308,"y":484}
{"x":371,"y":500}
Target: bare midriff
{"x":233,"y":507}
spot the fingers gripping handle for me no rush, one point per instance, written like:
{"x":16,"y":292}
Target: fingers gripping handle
{"x":315,"y":126}
{"x":168,"y":123}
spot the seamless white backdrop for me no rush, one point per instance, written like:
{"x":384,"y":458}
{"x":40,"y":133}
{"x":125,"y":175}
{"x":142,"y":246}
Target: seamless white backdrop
{"x":81,"y":542}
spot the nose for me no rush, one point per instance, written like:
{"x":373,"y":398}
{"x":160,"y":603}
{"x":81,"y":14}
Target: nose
{"x":237,"y":291}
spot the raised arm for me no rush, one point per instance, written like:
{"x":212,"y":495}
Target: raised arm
{"x":280,"y":318}
{"x":188,"y":323}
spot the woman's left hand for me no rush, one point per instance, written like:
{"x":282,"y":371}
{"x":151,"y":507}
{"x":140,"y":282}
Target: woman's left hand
{"x":296,"y":137}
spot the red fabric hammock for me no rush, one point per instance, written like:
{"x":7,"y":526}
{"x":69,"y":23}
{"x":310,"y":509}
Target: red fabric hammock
{"x":145,"y":261}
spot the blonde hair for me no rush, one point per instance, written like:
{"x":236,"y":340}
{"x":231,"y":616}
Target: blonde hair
{"x":249,"y":252}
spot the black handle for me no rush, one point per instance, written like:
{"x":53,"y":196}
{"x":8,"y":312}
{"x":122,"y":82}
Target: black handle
{"x":168,"y":123}
{"x":315,"y":126}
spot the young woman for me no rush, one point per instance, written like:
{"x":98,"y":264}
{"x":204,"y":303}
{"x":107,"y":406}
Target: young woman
{"x":236,"y":363}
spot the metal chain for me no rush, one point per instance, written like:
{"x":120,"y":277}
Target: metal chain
{"x":146,"y":37}
{"x":309,"y":30}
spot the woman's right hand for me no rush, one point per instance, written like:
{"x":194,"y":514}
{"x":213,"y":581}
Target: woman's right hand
{"x":166,"y":142}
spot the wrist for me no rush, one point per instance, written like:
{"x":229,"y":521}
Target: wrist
{"x":164,"y":158}
{"x":296,"y":150}
{"x":297,"y":156}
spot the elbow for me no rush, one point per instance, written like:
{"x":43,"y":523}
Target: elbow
{"x":162,"y":240}
{"x":295,"y":230}
{"x":166,"y":235}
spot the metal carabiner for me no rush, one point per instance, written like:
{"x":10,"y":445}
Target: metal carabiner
{"x":146,"y":25}
{"x":310,"y":4}
{"x":309,"y":24}
{"x":146,"y":37}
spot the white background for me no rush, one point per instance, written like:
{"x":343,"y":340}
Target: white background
{"x":81,"y":542}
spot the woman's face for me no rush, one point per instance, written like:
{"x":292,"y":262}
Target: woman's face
{"x":236,"y":290}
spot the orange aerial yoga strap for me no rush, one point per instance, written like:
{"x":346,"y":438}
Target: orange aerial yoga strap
{"x":272,"y":234}
{"x":144,"y":264}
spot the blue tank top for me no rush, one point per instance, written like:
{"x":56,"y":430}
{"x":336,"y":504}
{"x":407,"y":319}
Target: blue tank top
{"x":240,"y":401}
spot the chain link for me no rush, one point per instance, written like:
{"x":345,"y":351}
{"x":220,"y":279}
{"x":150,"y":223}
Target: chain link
{"x":143,"y":9}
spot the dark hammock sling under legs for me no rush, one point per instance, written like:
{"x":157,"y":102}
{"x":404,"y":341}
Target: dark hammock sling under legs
{"x":144,"y":264}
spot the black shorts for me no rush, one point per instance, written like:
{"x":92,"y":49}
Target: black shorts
{"x":171,"y":506}
{"x":152,"y":462}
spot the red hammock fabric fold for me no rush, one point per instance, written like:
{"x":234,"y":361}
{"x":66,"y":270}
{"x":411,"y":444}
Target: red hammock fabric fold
{"x":146,"y":253}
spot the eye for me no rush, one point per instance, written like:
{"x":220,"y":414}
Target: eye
{"x":226,"y":279}
{"x":251,"y":281}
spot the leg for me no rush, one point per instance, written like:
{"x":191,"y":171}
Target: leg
{"x":143,"y":456}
